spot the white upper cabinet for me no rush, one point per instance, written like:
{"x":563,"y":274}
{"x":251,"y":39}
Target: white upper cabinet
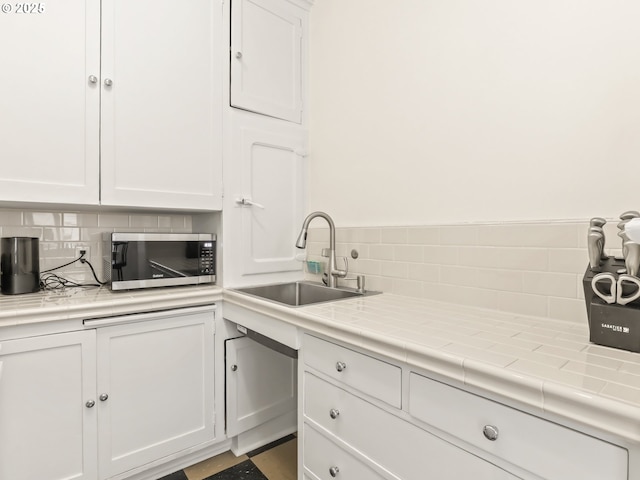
{"x":119,"y":104}
{"x":266,"y":57}
{"x":161,"y":104}
{"x":49,"y":109}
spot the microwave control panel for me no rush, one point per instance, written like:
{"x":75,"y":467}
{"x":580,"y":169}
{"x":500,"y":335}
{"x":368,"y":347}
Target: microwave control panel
{"x":207,"y":258}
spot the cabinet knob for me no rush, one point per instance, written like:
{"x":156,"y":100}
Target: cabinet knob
{"x":333,"y":471}
{"x":103,"y":397}
{"x":90,"y":404}
{"x":238,"y":55}
{"x":108,"y":82}
{"x":333,"y":413}
{"x":93,"y":79}
{"x":490,"y":432}
{"x":234,"y":368}
{"x":340,"y":366}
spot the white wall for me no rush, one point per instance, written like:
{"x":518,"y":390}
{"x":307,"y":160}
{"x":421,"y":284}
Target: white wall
{"x":445,"y":111}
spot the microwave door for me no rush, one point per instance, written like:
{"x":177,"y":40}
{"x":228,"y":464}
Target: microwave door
{"x":165,"y":270}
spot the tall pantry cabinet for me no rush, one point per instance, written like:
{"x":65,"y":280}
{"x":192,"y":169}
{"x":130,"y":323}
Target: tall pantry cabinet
{"x":114,"y":102}
{"x":266,"y":155}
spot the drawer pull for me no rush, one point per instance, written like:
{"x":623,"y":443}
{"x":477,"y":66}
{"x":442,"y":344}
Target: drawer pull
{"x":333,"y":471}
{"x":340,"y":366}
{"x":333,"y":413}
{"x":490,"y":432}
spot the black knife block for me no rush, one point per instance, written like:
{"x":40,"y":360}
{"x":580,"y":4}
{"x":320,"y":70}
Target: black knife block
{"x":612,"y":325}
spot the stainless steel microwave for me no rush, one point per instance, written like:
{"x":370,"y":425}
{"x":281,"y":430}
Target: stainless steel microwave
{"x":145,"y":260}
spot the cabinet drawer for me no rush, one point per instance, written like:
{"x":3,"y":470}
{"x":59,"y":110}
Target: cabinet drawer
{"x":374,"y":377}
{"x":549,"y":450}
{"x":321,"y":455}
{"x":395,"y":444}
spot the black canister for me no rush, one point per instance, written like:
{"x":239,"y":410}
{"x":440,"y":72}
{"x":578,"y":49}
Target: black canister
{"x":20,"y":261}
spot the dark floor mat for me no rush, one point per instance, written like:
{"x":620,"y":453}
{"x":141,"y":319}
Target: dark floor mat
{"x":243,"y":471}
{"x":175,"y":476}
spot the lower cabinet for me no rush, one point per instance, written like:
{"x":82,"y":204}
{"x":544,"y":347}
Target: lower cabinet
{"x":96,"y":403}
{"x":46,"y":429}
{"x":351,"y":430}
{"x":155,"y":388}
{"x":261,"y":384}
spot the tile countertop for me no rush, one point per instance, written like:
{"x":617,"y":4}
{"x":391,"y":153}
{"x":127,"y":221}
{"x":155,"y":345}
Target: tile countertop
{"x":79,"y":303}
{"x":545,"y":364}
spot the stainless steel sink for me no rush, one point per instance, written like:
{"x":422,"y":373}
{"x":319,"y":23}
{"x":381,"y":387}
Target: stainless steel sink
{"x":298,"y":294}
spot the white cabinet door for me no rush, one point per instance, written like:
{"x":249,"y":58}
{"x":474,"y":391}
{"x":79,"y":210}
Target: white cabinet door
{"x":155,"y":388}
{"x":47,"y":428}
{"x":49,"y":108}
{"x":161,"y":104}
{"x":261,"y":384}
{"x":266,"y":62}
{"x":272,"y":190}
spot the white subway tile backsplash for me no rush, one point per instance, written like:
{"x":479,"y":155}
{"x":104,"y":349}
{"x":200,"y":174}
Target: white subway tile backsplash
{"x":12,"y":231}
{"x":394,"y":235}
{"x":408,"y":253}
{"x":506,"y":280}
{"x":61,"y":233}
{"x":381,"y":252}
{"x":528,"y":268}
{"x":488,"y":257}
{"x":523,"y":303}
{"x":454,"y":275}
{"x":143,"y":221}
{"x":558,"y":235}
{"x":572,"y":310}
{"x":85,"y":220}
{"x":10,"y":217}
{"x":550,"y":284}
{"x":367,"y":267}
{"x":51,"y":219}
{"x":423,"y":235}
{"x":113,"y":220}
{"x":423,"y":271}
{"x":441,"y":255}
{"x":378,"y":283}
{"x":394,"y":269}
{"x":410,"y":288}
{"x":568,"y":260}
{"x":523,"y":259}
{"x":459,"y":235}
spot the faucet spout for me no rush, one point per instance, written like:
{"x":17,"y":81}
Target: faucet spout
{"x":301,"y":242}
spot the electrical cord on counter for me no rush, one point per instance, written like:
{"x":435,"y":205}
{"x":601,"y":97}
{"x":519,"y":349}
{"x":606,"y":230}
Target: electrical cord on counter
{"x":53,"y":281}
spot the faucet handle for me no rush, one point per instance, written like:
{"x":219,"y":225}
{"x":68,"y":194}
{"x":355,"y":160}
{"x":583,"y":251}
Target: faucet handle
{"x":342,"y":273}
{"x":325,"y":252}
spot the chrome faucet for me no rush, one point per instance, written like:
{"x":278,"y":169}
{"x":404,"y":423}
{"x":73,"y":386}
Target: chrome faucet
{"x":333,"y":273}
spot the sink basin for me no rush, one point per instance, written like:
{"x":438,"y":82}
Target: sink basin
{"x":298,"y":294}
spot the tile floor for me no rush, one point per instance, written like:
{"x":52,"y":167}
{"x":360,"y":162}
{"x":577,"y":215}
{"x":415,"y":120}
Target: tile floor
{"x":276,"y":461}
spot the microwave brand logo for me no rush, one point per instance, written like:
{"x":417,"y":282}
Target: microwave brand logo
{"x":615,"y":328}
{"x":158,"y":275}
